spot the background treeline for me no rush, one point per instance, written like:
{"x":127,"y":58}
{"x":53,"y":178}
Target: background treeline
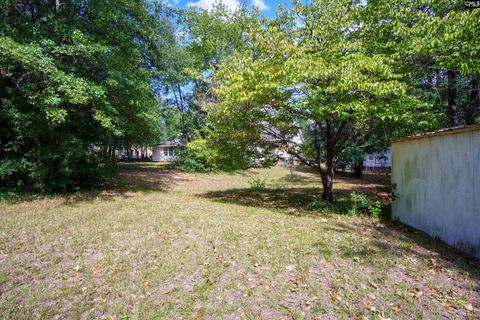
{"x":330,"y":80}
{"x":81,"y":79}
{"x":75,"y":83}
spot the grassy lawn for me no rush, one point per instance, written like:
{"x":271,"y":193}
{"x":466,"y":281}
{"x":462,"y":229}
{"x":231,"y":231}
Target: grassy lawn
{"x":164,"y":244}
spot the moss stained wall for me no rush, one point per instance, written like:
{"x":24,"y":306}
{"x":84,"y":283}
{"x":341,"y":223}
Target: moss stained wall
{"x":438,"y":183}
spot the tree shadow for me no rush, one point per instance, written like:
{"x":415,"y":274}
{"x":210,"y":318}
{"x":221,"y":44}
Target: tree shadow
{"x":297,"y":179}
{"x":145,"y":178}
{"x":386,"y":237}
{"x":400,"y":240}
{"x":298,"y":201}
{"x":288,"y":199}
{"x":131,"y":177}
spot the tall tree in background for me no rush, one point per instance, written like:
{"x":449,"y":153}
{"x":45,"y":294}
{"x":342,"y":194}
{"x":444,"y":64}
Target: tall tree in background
{"x":199,"y":40}
{"x":436,"y":43}
{"x":205,"y":38}
{"x":75,"y":83}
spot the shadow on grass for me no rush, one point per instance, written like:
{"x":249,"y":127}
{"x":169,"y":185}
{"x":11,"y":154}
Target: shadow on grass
{"x":397,"y":239}
{"x":295,"y":201}
{"x":131,"y":177}
{"x":266,"y":198}
{"x":134,"y":177}
{"x":299,"y":179}
{"x":386,"y":237}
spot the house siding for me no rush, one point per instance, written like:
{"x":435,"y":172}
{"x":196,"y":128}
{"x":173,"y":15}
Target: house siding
{"x":164,"y":153}
{"x":378,"y":160}
{"x":438,"y":186}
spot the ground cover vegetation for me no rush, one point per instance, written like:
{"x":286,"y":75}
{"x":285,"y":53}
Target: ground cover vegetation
{"x":325,"y":81}
{"x":169,"y":245}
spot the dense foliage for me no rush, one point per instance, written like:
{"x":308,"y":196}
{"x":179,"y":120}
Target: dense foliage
{"x":75,"y":84}
{"x":324,"y":82}
{"x":308,"y":88}
{"x":335,"y":78}
{"x":436,"y":43}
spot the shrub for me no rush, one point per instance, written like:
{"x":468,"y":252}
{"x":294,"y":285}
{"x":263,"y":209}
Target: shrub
{"x":195,"y":157}
{"x":388,"y":186}
{"x":339,"y":206}
{"x":360,"y":202}
{"x":70,"y":166}
{"x":375,"y":209}
{"x":370,"y":204}
{"x":258,"y":183}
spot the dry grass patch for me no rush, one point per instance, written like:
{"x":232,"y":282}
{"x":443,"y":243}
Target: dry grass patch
{"x":170,"y":245}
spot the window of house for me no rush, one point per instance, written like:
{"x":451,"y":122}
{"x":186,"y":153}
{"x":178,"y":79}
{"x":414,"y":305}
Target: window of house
{"x":165,"y":151}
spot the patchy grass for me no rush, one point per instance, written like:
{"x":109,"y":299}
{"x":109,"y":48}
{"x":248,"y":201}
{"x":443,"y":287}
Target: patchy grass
{"x":163,"y":244}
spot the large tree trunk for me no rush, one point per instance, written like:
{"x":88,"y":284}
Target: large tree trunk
{"x":327,"y":182}
{"x":473,"y":104}
{"x":358,"y":169}
{"x":452,"y":112}
{"x":112,"y":153}
{"x":332,"y":137}
{"x":357,"y":166}
{"x":327,"y":179}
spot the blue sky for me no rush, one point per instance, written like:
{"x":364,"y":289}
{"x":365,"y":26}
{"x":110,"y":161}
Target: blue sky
{"x":267,"y":7}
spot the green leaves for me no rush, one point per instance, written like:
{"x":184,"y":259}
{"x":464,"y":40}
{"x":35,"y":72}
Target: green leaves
{"x":429,"y":39}
{"x":293,"y":65}
{"x":308,"y":84}
{"x":75,"y":84}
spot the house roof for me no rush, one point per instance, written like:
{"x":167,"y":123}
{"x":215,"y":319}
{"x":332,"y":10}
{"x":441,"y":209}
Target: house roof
{"x":441,"y":132}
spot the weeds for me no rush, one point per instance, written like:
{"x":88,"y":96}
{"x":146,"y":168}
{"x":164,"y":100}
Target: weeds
{"x":258,"y":184}
{"x":158,"y":248}
{"x":360,"y":202}
{"x":340,"y":206}
{"x":369,"y":204}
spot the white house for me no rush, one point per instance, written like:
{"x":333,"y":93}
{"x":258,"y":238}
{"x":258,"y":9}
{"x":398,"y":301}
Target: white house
{"x":378,"y":160}
{"x":135,"y":153}
{"x":165,"y":151}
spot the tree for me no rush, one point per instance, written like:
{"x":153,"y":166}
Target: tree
{"x":205,"y":39}
{"x":436,"y":43}
{"x":376,"y":139}
{"x":307,"y":85}
{"x":75,"y":84}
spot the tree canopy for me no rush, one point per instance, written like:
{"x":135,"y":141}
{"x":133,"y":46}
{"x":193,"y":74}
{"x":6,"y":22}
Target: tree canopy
{"x":75,"y":83}
{"x":308,"y":84}
{"x":321,"y":81}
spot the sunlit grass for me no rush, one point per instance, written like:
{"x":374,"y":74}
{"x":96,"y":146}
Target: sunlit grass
{"x":171,"y":245}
